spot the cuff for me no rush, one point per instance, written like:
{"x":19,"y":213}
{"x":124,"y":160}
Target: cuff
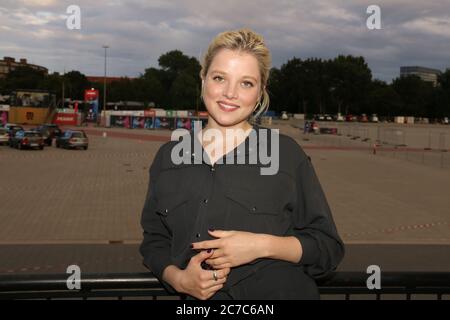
{"x":311,"y":252}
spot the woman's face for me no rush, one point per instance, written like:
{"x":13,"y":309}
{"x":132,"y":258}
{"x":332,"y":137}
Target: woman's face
{"x":231,"y":88}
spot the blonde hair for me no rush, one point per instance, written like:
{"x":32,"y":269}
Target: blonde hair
{"x":247,"y":41}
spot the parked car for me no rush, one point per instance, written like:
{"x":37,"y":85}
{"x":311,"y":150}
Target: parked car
{"x":73,"y":139}
{"x":49,"y":132}
{"x":363,"y":118}
{"x":4,"y":136}
{"x":374,"y":118}
{"x":12,"y":128}
{"x":54,"y":129}
{"x":319,"y":117}
{"x":27,"y":139}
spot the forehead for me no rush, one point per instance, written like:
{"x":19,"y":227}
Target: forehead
{"x":236,"y":62}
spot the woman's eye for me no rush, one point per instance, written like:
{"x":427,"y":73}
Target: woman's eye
{"x":217,"y":78}
{"x":248,"y":84}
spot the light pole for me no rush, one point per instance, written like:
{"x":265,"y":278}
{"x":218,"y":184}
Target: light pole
{"x":104,"y":87}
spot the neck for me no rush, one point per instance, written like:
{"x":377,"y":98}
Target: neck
{"x":244,"y":125}
{"x":232,"y":143}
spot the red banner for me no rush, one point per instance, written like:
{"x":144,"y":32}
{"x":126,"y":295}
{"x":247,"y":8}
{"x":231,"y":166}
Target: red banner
{"x":66,"y":118}
{"x":90,"y":95}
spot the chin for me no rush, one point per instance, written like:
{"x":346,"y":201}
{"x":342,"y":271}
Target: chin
{"x":228,"y":121}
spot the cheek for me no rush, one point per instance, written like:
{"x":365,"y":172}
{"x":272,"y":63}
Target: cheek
{"x":212,"y":91}
{"x":250,"y":99}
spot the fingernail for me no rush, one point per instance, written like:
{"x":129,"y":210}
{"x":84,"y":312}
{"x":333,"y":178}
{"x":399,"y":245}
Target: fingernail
{"x":209,"y":250}
{"x":192,"y":246}
{"x":211,"y":229}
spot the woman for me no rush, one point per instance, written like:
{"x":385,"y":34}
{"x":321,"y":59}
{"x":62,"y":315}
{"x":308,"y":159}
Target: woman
{"x":227,"y":231}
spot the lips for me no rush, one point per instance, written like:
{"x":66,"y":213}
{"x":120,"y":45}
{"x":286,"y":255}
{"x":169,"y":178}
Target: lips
{"x":227,"y":107}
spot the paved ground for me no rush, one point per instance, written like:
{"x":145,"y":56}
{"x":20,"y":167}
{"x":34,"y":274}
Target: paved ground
{"x":57,"y":204}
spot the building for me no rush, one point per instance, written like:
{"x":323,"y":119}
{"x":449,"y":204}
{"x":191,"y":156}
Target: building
{"x":9,"y":64}
{"x":426,"y":74}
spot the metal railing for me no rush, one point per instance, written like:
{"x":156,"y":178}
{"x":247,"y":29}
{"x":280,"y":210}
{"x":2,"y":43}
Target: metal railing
{"x":342,"y":285}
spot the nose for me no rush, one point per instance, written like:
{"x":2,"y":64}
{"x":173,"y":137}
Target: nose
{"x":230,"y":91}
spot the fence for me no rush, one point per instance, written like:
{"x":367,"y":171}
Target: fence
{"x":421,"y":145}
{"x":340,"y":285}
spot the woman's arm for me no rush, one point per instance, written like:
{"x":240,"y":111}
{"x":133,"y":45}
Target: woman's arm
{"x":235,"y":248}
{"x":155,"y":247}
{"x":313,"y":225}
{"x":281,"y":248}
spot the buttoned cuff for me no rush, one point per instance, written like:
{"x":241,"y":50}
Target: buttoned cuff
{"x":311,"y":251}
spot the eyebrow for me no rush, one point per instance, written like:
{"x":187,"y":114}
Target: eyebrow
{"x":221,"y":72}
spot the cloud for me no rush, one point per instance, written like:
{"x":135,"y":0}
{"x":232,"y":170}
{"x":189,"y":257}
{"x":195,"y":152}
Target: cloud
{"x":139,"y":31}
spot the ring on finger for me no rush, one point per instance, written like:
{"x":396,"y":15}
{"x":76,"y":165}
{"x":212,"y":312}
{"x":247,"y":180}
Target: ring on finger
{"x":215,"y":275}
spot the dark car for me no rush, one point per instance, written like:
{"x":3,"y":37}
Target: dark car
{"x":12,"y":129}
{"x":27,"y":139}
{"x":54,"y":129}
{"x":49,"y":132}
{"x":73,"y":139}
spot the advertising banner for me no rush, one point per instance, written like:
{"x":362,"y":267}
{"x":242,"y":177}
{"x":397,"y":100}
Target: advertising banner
{"x":66,"y":118}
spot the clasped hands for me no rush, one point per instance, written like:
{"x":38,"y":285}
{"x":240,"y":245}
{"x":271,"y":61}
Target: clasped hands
{"x":229,"y":249}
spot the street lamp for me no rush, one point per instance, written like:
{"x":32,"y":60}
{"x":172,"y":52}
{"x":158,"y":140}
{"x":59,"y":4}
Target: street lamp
{"x":104,"y":86}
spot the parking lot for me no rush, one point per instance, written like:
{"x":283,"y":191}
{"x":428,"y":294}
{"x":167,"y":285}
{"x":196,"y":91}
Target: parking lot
{"x":94,"y":197}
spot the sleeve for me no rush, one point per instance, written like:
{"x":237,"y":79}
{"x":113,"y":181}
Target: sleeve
{"x":314,"y":227}
{"x":155,"y":247}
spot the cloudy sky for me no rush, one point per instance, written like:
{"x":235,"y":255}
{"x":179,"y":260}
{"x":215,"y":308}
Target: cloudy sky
{"x":138,"y":31}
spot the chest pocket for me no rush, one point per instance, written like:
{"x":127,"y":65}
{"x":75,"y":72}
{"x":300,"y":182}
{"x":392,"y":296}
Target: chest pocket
{"x":254,"y":202}
{"x":171,"y":204}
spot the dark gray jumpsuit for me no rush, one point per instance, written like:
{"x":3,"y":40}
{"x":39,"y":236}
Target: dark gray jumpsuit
{"x":184,"y":200}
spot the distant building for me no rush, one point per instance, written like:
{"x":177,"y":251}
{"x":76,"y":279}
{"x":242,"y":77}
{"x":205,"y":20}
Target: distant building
{"x":426,"y":74}
{"x":9,"y":64}
{"x":99,"y":79}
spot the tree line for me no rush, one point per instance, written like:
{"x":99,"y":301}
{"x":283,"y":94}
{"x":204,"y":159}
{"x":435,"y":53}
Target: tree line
{"x":311,"y":86}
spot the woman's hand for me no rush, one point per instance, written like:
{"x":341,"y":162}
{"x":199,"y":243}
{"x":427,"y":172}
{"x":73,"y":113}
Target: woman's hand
{"x":232,"y":248}
{"x":199,"y":283}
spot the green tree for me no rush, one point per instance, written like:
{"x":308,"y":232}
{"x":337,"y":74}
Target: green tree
{"x":416,"y":96}
{"x":24,"y":78}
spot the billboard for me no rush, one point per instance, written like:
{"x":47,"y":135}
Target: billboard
{"x":91,"y":98}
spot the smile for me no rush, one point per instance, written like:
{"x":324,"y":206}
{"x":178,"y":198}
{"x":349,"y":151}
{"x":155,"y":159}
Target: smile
{"x":226,"y":107}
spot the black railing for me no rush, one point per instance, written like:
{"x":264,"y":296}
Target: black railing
{"x":341,"y":285}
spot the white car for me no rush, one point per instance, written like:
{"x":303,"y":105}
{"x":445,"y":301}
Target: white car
{"x":373,"y":118}
{"x":4,"y":136}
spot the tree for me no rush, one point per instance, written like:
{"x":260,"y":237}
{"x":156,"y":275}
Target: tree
{"x":416,"y":96}
{"x":75,"y":83}
{"x":442,"y":96}
{"x":24,"y":78}
{"x":351,"y":78}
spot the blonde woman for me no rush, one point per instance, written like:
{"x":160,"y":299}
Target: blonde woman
{"x":217,"y":229}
